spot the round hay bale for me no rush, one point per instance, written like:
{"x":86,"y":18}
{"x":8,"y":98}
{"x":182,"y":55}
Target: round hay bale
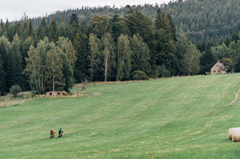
{"x":230,"y":132}
{"x":235,"y":133}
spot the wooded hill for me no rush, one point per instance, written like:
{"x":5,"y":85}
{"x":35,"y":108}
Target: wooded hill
{"x":54,"y":56}
{"x":199,"y":19}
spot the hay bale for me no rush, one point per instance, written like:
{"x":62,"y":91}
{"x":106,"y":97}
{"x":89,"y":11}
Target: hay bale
{"x":230,"y":132}
{"x":234,"y":134}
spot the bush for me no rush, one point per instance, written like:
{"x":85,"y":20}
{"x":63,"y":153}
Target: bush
{"x":14,"y":90}
{"x":33,"y":93}
{"x":207,"y":73}
{"x":160,"y":71}
{"x":139,"y":75}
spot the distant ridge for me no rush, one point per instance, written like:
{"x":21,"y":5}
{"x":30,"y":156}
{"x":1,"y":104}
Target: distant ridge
{"x":201,"y":19}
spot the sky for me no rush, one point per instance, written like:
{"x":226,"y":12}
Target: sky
{"x":15,"y":9}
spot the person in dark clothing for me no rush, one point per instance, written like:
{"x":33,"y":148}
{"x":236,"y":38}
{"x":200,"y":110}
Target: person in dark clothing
{"x":60,"y":132}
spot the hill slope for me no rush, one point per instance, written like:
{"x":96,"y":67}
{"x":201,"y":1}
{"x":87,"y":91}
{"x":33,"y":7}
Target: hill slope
{"x":201,"y":19}
{"x":184,"y":117}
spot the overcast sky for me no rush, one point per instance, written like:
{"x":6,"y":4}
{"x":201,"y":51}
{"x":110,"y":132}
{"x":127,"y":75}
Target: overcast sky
{"x":15,"y":9}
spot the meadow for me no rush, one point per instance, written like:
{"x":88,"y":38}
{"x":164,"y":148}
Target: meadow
{"x":185,"y":117}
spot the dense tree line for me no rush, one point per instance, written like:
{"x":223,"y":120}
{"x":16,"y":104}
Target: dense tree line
{"x":199,"y":19}
{"x":54,"y":57}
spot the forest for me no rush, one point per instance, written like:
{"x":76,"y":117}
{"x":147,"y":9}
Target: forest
{"x":135,"y":46}
{"x":199,"y":19}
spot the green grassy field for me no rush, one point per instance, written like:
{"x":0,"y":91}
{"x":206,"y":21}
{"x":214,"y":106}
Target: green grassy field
{"x":185,"y":117}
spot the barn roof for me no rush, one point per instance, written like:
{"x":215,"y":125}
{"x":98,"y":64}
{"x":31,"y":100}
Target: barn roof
{"x":221,"y":65}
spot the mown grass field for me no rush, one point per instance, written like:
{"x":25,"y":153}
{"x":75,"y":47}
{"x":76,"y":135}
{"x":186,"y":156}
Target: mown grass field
{"x":185,"y":117}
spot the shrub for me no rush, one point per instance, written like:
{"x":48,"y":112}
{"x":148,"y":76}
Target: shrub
{"x":33,"y":93}
{"x":14,"y":90}
{"x":139,"y":75}
{"x":160,"y":71}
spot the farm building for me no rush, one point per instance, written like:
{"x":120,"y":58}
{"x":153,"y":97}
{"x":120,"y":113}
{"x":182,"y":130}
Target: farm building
{"x":218,"y":68}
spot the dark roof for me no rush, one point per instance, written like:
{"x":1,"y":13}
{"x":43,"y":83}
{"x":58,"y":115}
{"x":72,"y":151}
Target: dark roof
{"x":221,"y":65}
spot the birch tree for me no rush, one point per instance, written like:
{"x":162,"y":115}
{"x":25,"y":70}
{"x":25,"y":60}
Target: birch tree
{"x":54,"y":66}
{"x":108,"y":53}
{"x":190,"y":62}
{"x":124,"y":54}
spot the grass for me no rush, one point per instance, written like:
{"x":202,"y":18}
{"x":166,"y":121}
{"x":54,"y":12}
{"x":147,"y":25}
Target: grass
{"x":185,"y":117}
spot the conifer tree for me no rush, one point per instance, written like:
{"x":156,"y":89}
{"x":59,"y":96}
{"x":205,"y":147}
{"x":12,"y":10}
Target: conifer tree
{"x":15,"y":64}
{"x":140,"y":54}
{"x":67,"y":72}
{"x":61,"y":28}
{"x":94,"y":43}
{"x":207,"y":60}
{"x":43,"y":29}
{"x":119,"y":26}
{"x":2,"y":72}
{"x":165,"y":51}
{"x":53,"y":30}
{"x":80,"y":44}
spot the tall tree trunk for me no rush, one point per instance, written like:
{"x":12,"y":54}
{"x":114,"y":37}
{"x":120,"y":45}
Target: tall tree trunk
{"x":106,"y":66}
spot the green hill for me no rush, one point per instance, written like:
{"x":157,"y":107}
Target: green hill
{"x":199,"y":19}
{"x":185,"y":117}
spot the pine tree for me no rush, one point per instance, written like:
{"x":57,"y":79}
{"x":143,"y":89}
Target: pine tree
{"x":43,"y":29}
{"x":15,"y":65}
{"x":2,"y":72}
{"x":165,"y":51}
{"x":207,"y":60}
{"x":67,"y":73}
{"x":80,"y":44}
{"x":73,"y":20}
{"x":140,"y":54}
{"x":61,"y":28}
{"x":119,"y":26}
{"x":94,"y":43}
{"x":181,"y":46}
{"x":53,"y":30}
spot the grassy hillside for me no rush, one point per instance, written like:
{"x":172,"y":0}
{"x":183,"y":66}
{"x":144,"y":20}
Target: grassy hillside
{"x":184,"y":117}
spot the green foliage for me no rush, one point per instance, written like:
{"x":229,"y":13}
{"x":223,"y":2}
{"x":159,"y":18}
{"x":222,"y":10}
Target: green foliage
{"x":190,"y":62}
{"x":54,"y":68}
{"x":160,"y":71}
{"x":93,"y":58}
{"x":139,"y":75}
{"x":80,"y":44}
{"x":140,"y":58}
{"x":99,"y":25}
{"x":123,"y":57}
{"x":108,"y":54}
{"x":227,"y":62}
{"x":33,"y":93}
{"x":14,"y":90}
{"x":15,"y":64}
{"x":207,"y":60}
{"x":2,"y":76}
